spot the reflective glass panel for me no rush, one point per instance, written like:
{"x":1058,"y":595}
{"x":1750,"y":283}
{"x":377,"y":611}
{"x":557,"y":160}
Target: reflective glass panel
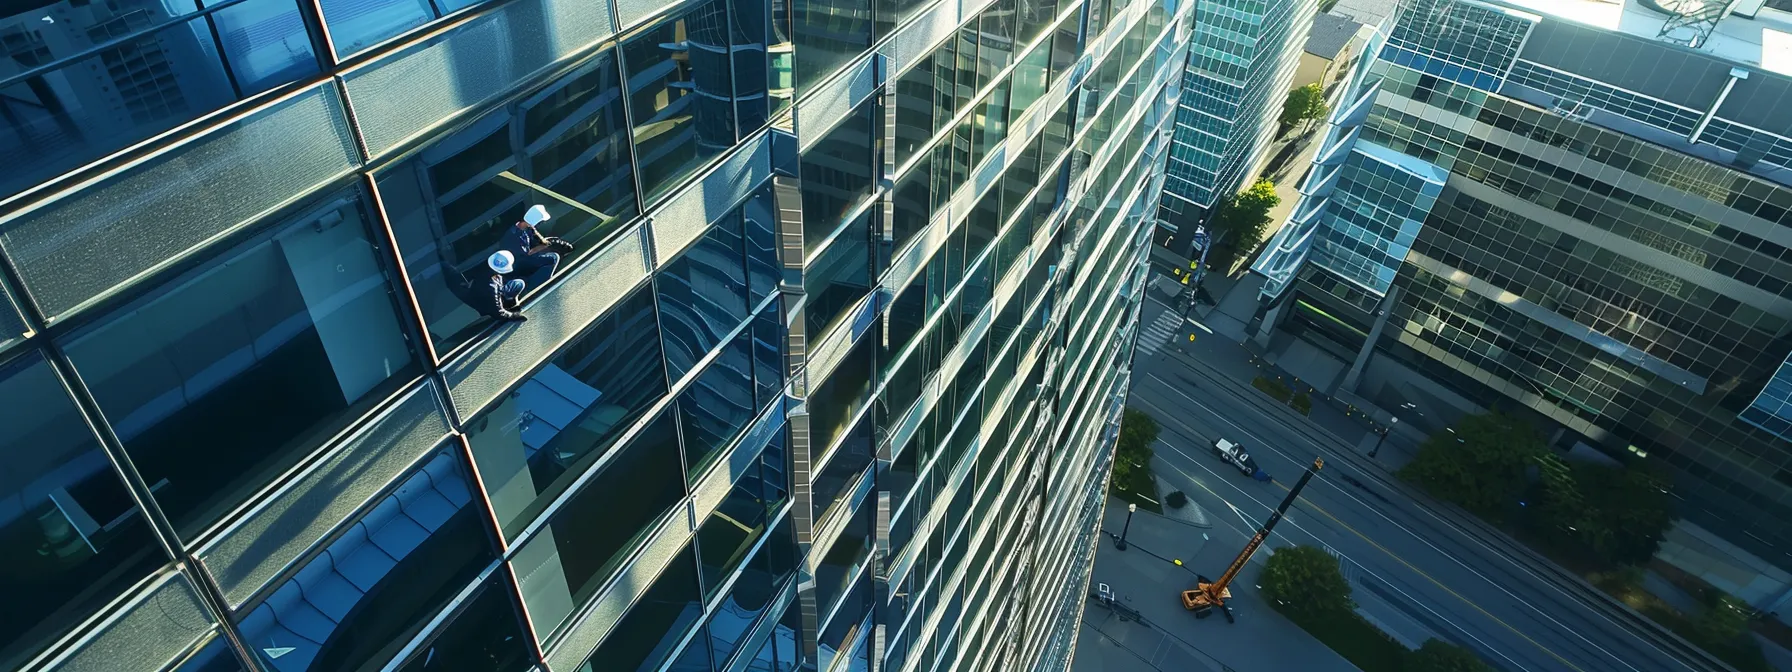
{"x":265,"y":43}
{"x":359,"y":24}
{"x":726,"y":538}
{"x":485,"y":636}
{"x":680,"y":94}
{"x":375,"y":587}
{"x":748,"y":27}
{"x":564,"y":147}
{"x":552,"y":428}
{"x":847,"y":463}
{"x":768,"y":358}
{"x":602,"y":524}
{"x":718,"y":405}
{"x":838,"y":277}
{"x":652,"y":627}
{"x":837,"y":175}
{"x":703,"y":295}
{"x":760,"y":213}
{"x":70,"y":537}
{"x":828,"y":34}
{"x":225,"y":376}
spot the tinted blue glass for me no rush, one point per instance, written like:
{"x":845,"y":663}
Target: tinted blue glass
{"x":834,"y":402}
{"x":718,"y":405}
{"x":679,"y":87}
{"x":553,"y":427}
{"x":728,"y":536}
{"x":837,"y":175}
{"x":763,"y":269}
{"x":70,"y":537}
{"x":740,"y":610}
{"x":828,"y":34}
{"x":264,"y":352}
{"x":84,"y":108}
{"x":695,"y":656}
{"x":839,"y":277}
{"x":645,"y":637}
{"x":774,"y":465}
{"x":451,"y":205}
{"x":846,"y":624}
{"x":604,"y":522}
{"x":215,"y":657}
{"x":358,"y":24}
{"x":749,"y":25}
{"x":484,"y":637}
{"x":848,"y":462}
{"x":768,"y":358}
{"x":375,"y":587}
{"x":265,"y":43}
{"x":834,"y":572}
{"x":703,"y":295}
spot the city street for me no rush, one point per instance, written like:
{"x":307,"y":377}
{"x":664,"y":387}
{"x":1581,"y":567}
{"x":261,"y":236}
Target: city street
{"x":1419,"y":572}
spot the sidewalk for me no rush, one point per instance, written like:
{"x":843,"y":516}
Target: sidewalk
{"x":1168,"y":637}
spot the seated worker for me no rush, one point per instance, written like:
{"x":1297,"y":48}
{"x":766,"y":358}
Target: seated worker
{"x":524,"y":252}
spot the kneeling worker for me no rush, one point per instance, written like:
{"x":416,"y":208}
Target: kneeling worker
{"x":525,"y":252}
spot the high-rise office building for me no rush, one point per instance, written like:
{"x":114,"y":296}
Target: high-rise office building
{"x":1242,"y":59}
{"x":829,"y":379}
{"x":1578,"y":208}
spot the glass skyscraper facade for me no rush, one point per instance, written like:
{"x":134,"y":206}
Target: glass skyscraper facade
{"x":1592,"y":224}
{"x":829,"y":380}
{"x":1241,"y":63}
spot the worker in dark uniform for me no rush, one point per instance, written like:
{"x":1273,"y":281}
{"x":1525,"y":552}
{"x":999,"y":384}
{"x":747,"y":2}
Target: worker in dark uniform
{"x":525,"y":259}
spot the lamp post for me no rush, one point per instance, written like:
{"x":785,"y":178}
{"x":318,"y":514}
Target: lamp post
{"x":1384,"y":435}
{"x":1120,"y":543}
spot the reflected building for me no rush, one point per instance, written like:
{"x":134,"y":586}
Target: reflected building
{"x":1241,"y":66}
{"x":829,"y":381}
{"x":1580,"y":212}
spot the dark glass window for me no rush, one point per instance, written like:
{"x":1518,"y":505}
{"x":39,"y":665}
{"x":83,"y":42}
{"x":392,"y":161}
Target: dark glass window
{"x":774,"y":471}
{"x":908,"y":312}
{"x":760,"y":213}
{"x":1034,"y":17}
{"x":138,"y":85}
{"x":552,"y":428}
{"x":613,"y":514}
{"x":914,"y":109}
{"x":265,"y":43}
{"x":838,"y":277}
{"x":70,"y":537}
{"x":646,"y":635}
{"x":452,"y":205}
{"x":828,"y":34}
{"x":680,"y":93}
{"x":483,"y":637}
{"x":837,"y":175}
{"x":703,"y":295}
{"x":835,"y":571}
{"x":847,"y":462}
{"x":995,"y":48}
{"x":748,"y":28}
{"x":225,"y":376}
{"x":833,"y":402}
{"x":215,"y":656}
{"x":731,"y":531}
{"x":989,"y":124}
{"x":768,"y":358}
{"x":375,"y":587}
{"x":695,"y":656}
{"x":718,"y":405}
{"x":914,"y":203}
{"x":847,"y":623}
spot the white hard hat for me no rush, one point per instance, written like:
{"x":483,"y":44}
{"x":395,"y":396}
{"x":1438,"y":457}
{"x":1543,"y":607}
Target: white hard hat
{"x":536,"y":215}
{"x":501,"y":261}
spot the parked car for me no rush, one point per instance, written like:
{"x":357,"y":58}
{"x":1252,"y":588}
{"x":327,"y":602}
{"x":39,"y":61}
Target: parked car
{"x":1234,"y":454}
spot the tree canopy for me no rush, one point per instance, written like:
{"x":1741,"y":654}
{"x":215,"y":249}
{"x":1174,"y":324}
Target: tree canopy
{"x":1305,"y":582}
{"x":1303,"y":104}
{"x":1440,"y":656}
{"x":1480,"y":465}
{"x":1245,"y":216}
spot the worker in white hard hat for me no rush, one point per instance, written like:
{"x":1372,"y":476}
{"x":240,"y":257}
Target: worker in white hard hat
{"x":505,"y":289}
{"x":531,"y":248}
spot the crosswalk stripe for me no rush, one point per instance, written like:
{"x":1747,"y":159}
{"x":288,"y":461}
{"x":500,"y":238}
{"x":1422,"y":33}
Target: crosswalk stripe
{"x":1158,"y":333}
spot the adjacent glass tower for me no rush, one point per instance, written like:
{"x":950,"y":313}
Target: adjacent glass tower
{"x":829,"y":382}
{"x":1588,"y":223}
{"x":1240,"y":66}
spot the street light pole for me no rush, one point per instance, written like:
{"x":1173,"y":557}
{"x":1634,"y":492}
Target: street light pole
{"x":1120,"y":543}
{"x":1384,"y":435}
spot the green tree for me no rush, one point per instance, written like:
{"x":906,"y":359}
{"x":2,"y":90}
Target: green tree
{"x":1304,"y":104}
{"x":1628,"y":511}
{"x":1480,"y":465}
{"x":1245,"y":216}
{"x":1724,"y":621}
{"x":1305,"y":582}
{"x":1440,"y":656}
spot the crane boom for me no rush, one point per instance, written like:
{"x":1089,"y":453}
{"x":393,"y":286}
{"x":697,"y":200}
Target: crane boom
{"x":1208,"y":595}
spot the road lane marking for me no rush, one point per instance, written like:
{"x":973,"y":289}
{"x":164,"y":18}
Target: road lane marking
{"x":1434,"y":547}
{"x":1251,"y":530}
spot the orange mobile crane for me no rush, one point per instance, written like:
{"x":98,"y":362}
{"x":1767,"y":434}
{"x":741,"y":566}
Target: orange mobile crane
{"x":1210,"y":594}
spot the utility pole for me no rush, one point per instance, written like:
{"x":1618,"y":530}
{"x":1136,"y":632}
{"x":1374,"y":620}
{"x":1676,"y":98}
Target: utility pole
{"x":1202,"y":240}
{"x":1384,"y":435}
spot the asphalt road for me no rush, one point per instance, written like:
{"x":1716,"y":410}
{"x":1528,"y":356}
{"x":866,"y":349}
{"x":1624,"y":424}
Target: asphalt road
{"x":1459,"y":583}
